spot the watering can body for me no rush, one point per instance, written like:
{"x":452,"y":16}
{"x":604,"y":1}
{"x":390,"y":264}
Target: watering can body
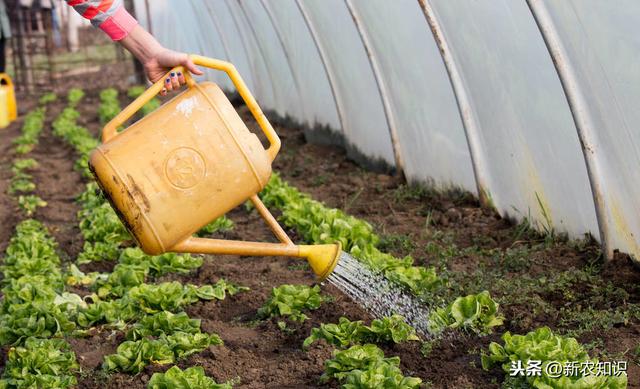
{"x":8,"y":105}
{"x":188,"y":163}
{"x":185,"y":164}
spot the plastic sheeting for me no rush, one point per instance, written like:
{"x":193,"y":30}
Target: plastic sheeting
{"x":430,"y":133}
{"x":533,"y":162}
{"x":602,"y":45}
{"x":373,"y":71}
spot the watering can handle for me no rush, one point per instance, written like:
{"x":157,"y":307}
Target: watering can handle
{"x":111,"y":129}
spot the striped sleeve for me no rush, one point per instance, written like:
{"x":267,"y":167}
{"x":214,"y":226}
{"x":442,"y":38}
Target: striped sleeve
{"x":108,"y":15}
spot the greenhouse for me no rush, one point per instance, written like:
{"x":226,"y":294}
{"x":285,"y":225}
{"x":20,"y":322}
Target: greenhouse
{"x":319,"y":194}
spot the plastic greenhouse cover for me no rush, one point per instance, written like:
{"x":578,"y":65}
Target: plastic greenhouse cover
{"x":431,"y":137}
{"x":364,"y":122}
{"x":318,"y":103}
{"x":530,"y":146}
{"x":603,"y":45}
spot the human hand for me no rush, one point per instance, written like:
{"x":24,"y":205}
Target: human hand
{"x":162,"y":61}
{"x":158,"y":60}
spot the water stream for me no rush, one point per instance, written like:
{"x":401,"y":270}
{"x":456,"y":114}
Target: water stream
{"x":376,"y":294}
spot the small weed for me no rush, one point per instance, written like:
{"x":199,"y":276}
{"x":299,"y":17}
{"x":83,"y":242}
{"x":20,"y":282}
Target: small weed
{"x":319,"y":180}
{"x":427,"y":347}
{"x":349,"y":202}
{"x":579,"y":320}
{"x":397,"y":242}
{"x":406,"y":192}
{"x":302,"y":265}
{"x":636,"y":354}
{"x":514,"y":259}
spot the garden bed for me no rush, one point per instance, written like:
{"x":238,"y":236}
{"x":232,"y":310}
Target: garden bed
{"x":539,"y":280}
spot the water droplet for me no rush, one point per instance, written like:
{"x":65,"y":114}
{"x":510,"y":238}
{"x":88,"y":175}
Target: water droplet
{"x":377,"y":294}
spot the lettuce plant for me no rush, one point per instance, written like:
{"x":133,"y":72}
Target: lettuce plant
{"x":109,"y":105}
{"x":475,"y":312}
{"x":347,"y":333}
{"x":192,"y":377}
{"x":31,"y":129}
{"x":544,"y":346}
{"x":148,"y":299}
{"x":365,"y":366}
{"x":30,"y":203}
{"x":74,"y":96}
{"x":40,"y":363}
{"x":47,"y":98}
{"x":290,"y":301}
{"x":163,"y":323}
{"x":160,"y":264}
{"x":133,"y":356}
{"x":221,"y":224}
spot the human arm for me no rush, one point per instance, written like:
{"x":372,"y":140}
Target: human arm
{"x":111,"y":17}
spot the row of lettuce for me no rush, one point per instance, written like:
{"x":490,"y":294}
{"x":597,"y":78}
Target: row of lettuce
{"x":157,"y":330}
{"x":22,"y":184}
{"x":38,"y":314}
{"x":34,"y":305}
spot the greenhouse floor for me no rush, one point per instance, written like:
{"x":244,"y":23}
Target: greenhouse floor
{"x":538,"y":279}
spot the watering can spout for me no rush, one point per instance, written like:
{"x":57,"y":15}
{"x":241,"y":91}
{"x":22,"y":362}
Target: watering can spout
{"x":322,"y":258}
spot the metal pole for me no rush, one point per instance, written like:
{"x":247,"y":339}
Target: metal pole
{"x":382,"y":88}
{"x":467,"y":113}
{"x":581,"y":117}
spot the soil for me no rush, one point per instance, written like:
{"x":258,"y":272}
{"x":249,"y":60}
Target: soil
{"x":9,"y":213}
{"x":258,"y":354}
{"x":58,"y":183}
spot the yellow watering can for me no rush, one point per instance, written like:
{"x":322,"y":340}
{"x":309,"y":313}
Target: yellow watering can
{"x":190,"y":162}
{"x":8,"y":106}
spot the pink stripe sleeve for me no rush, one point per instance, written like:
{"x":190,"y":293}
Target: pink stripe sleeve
{"x":119,"y":25}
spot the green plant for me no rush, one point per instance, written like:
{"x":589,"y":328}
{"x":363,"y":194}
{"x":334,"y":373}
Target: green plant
{"x":160,"y":264}
{"x":30,"y":203}
{"x":290,"y":300}
{"x":221,"y":224}
{"x":347,"y":333}
{"x":133,"y":356}
{"x":74,"y":96}
{"x":23,"y":164}
{"x":109,"y":105}
{"x":163,"y":323}
{"x":21,"y":181}
{"x":40,"y":363}
{"x":65,"y":126}
{"x":21,"y":185}
{"x":152,"y":105}
{"x":366,"y":367}
{"x":145,"y":299}
{"x":192,"y":377}
{"x":476,"y":312}
{"x":544,"y":346}
{"x":47,"y":98}
{"x":31,"y":129}
{"x":38,"y":319}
